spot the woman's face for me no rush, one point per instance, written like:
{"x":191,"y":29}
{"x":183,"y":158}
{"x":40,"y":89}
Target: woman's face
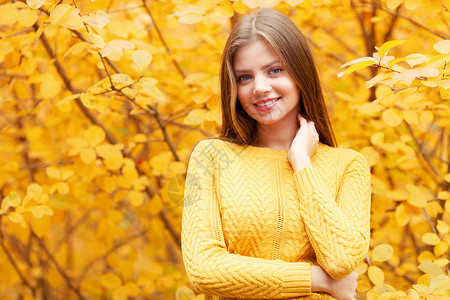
{"x":265,"y":89}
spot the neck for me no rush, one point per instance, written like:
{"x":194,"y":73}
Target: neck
{"x":276,"y":136}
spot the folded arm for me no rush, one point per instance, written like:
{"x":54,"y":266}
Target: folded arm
{"x":338,"y":228}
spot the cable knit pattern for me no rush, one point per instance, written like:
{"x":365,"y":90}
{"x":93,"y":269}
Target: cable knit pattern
{"x":252,"y":226}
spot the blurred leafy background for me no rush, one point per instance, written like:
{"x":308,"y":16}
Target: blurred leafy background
{"x":101,"y":102}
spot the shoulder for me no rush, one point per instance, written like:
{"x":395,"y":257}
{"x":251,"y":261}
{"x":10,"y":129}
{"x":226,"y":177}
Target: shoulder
{"x":208,"y":149}
{"x":346,"y":158}
{"x":212,"y":145}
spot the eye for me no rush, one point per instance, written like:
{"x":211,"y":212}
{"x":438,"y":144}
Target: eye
{"x":275,"y":71}
{"x":243,"y":78}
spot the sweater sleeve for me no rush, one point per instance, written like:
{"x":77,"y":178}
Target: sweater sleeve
{"x":338,"y":229}
{"x":213,"y":270}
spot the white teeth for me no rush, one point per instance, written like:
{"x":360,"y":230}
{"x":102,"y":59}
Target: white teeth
{"x":267,"y":103}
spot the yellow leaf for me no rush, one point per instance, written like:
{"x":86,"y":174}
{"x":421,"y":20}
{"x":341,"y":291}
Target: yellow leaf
{"x":430,"y":238}
{"x":356,"y":67}
{"x":398,"y":195}
{"x":415,"y":59}
{"x":41,"y":210}
{"x":8,"y":15}
{"x":120,"y":294}
{"x":361,"y":268}
{"x":99,"y":19}
{"x":50,"y":87}
{"x":443,"y":195}
{"x":370,"y":108}
{"x":372,"y":156}
{"x":382,"y":252}
{"x":443,"y":47}
{"x":136,"y":198}
{"x":53,"y":173}
{"x":393,"y":4}
{"x":388,"y":46}
{"x":110,"y":281}
{"x":114,"y":49}
{"x":426,"y":117}
{"x":140,"y":138}
{"x":294,"y":2}
{"x":239,"y":7}
{"x":411,"y":117}
{"x":61,"y":14}
{"x":62,"y":188}
{"x":195,"y":116}
{"x":442,"y":227}
{"x":141,"y":59}
{"x":27,"y":17}
{"x":440,"y":248}
{"x":380,"y":77}
{"x":430,"y":268}
{"x":196,"y":78}
{"x":94,"y":135}
{"x":108,"y":152}
{"x":35,"y":4}
{"x":97,"y":40}
{"x":175,"y":189}
{"x":260,"y":3}
{"x":376,"y":275}
{"x":12,"y":200}
{"x":392,"y":117}
{"x":17,"y":218}
{"x":413,"y":4}
{"x":184,"y":293}
{"x":401,"y":215}
{"x":41,"y":226}
{"x":121,"y":78}
{"x":66,"y":173}
{"x":440,"y":282}
{"x":132,"y":289}
{"x":34,"y":190}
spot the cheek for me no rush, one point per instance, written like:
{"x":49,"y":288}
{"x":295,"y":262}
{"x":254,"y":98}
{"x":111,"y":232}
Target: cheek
{"x":244,"y":94}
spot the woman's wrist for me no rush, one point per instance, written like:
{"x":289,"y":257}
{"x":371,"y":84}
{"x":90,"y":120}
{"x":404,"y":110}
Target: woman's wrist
{"x":300,"y":161}
{"x":320,"y":280}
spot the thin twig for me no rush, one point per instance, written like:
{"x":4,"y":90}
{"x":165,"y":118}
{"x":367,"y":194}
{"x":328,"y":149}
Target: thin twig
{"x":104,"y":255}
{"x":71,"y":229}
{"x":13,"y":263}
{"x":441,"y":35}
{"x":163,"y":41}
{"x":58,"y":267}
{"x":425,"y":157}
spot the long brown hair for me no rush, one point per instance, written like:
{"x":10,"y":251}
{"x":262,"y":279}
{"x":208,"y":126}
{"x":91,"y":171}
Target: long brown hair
{"x":284,"y":37}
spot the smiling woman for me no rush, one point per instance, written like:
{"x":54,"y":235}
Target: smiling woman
{"x":272,"y":209}
{"x":265,"y":89}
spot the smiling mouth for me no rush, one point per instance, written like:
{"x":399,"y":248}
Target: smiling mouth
{"x":268,"y":102}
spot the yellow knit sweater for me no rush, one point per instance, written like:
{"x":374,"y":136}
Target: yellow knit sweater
{"x":252,"y":226}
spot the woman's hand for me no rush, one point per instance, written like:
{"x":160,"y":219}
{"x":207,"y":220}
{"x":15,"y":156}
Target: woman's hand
{"x":341,"y":289}
{"x":304,"y":145}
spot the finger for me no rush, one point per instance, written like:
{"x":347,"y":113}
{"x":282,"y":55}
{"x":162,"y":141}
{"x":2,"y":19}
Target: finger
{"x":303,"y":121}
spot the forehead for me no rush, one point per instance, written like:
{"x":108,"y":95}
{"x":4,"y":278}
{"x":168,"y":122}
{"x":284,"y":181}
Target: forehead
{"x":254,"y":54}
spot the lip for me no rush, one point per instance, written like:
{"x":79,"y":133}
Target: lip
{"x":268,"y":107}
{"x":265,"y":100}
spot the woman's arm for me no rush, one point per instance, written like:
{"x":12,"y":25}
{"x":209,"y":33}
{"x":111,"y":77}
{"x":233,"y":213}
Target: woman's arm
{"x":338,"y":228}
{"x":342,"y":289}
{"x":211,"y":269}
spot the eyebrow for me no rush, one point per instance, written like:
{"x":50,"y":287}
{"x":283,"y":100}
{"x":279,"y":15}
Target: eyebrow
{"x":263,"y":67}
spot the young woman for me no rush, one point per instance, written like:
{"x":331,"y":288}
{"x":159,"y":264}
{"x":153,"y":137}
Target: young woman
{"x":272,"y":209}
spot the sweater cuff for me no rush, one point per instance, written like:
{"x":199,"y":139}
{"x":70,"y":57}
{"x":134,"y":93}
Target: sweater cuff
{"x":297,"y":280}
{"x":308,"y":180}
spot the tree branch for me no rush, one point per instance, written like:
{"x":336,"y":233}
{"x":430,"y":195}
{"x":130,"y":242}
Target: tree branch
{"x":58,"y":267}
{"x":175,"y":63}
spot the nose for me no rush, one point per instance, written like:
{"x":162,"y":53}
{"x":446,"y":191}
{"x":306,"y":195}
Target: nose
{"x":262,"y":85}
